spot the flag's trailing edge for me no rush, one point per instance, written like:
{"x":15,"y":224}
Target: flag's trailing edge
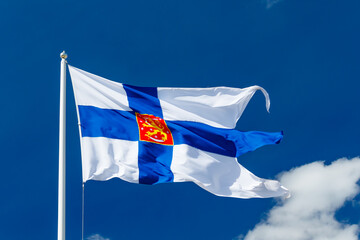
{"x":154,"y":135}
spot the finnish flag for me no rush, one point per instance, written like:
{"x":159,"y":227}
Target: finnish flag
{"x":154,"y":135}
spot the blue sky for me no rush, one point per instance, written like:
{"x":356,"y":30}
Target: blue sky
{"x":304,"y":53}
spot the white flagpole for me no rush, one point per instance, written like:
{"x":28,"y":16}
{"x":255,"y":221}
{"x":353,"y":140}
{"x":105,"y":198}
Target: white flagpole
{"x":62,"y":149}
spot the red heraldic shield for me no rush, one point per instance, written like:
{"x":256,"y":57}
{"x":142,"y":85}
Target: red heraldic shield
{"x":153,"y":129}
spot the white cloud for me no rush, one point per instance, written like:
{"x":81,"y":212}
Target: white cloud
{"x":317,"y":192}
{"x":96,"y":237}
{"x":270,"y":3}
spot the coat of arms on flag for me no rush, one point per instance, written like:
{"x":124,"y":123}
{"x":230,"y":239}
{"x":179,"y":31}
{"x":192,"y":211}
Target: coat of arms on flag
{"x":153,"y":129}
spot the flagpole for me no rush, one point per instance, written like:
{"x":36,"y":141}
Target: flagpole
{"x":62,"y":149}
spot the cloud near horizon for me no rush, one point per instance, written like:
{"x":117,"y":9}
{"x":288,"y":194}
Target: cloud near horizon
{"x":317,"y":190}
{"x":270,"y":3}
{"x":96,"y":237}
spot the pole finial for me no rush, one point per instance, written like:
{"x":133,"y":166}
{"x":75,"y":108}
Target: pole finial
{"x":63,"y":55}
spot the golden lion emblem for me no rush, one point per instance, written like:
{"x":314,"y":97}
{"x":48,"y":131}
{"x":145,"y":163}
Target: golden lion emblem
{"x":153,"y":129}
